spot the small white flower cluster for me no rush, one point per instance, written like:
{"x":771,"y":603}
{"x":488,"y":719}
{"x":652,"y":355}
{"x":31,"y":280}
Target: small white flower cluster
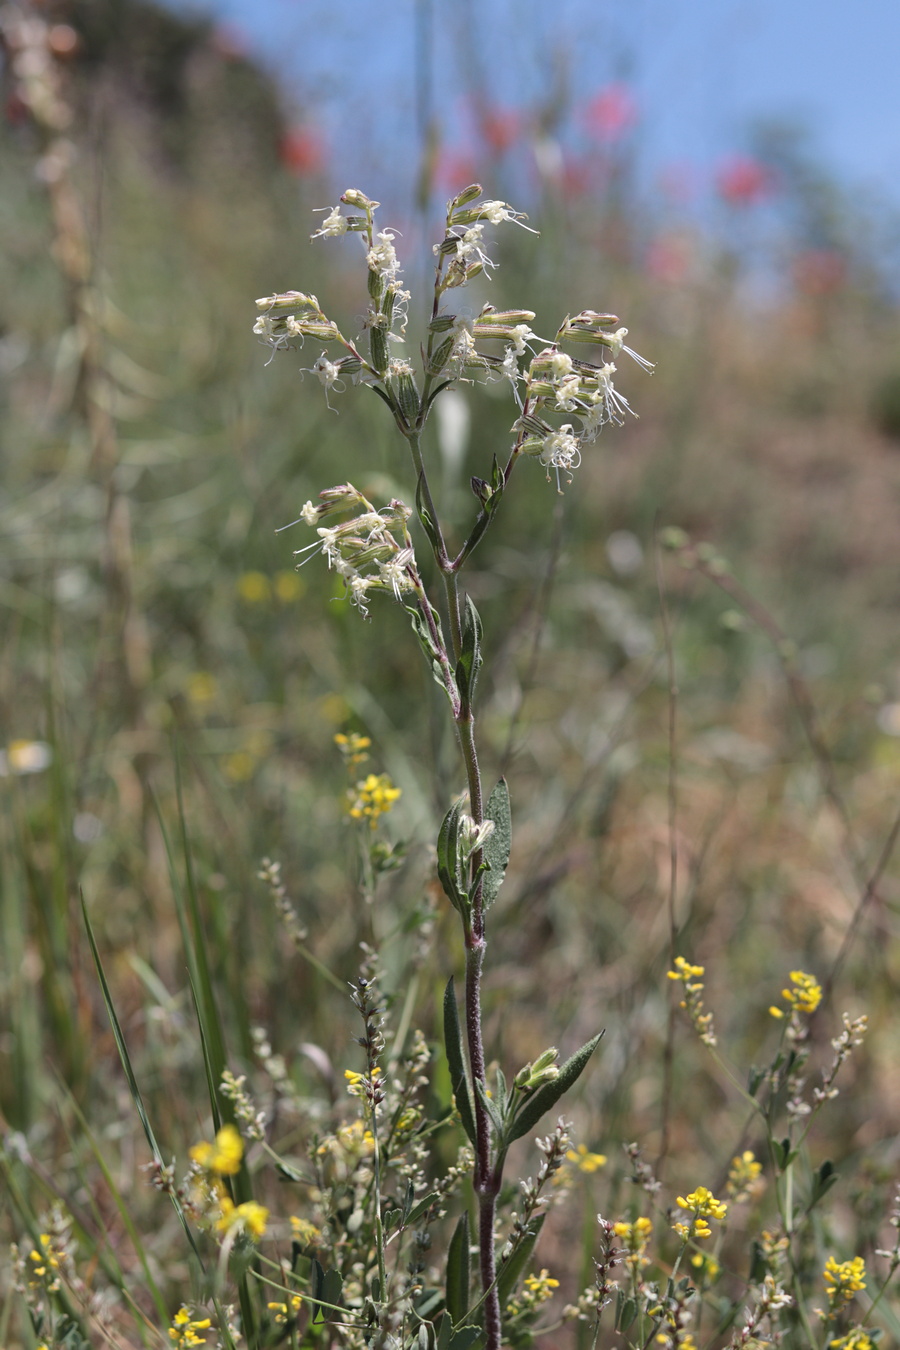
{"x":464,"y":238}
{"x":557,"y":382}
{"x":372,"y":551}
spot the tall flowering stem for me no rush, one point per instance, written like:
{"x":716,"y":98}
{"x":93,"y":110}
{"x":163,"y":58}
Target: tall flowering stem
{"x":373,"y":552}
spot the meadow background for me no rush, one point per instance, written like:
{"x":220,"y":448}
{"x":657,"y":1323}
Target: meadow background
{"x":169,"y":686}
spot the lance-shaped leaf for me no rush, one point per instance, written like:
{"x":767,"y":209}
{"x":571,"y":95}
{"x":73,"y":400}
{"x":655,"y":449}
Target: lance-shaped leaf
{"x":497,"y":846}
{"x":496,"y":1116}
{"x":448,"y":860}
{"x":428,"y":525}
{"x":470,"y":656}
{"x":512,"y":1269}
{"x":457,"y":1286}
{"x":433,"y":655}
{"x":458,"y":1078}
{"x":546,"y":1097}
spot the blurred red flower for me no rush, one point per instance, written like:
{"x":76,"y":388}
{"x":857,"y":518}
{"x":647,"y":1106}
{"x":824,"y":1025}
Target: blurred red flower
{"x":499,"y":127}
{"x":456,"y":168}
{"x":301,"y":151}
{"x":611,"y":112}
{"x":743,"y":181}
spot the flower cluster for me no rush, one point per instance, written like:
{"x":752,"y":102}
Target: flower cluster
{"x":536,"y":1289}
{"x":843,"y":1281}
{"x":184,"y":1328}
{"x":371,"y":797}
{"x":372,"y":551}
{"x":692,"y":1002}
{"x":584,"y":1160}
{"x":210,"y":1201}
{"x":804,"y":997}
{"x":702,"y":1205}
{"x":743,"y":1174}
{"x":633,"y":1237}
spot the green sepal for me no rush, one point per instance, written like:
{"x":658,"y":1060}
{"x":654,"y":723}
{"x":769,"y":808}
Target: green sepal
{"x":511,"y":1271}
{"x":459,"y":1080}
{"x":498,"y":844}
{"x":546,"y":1097}
{"x":470,"y":656}
{"x":448,"y":860}
{"x":754,"y":1079}
{"x":458,"y":1274}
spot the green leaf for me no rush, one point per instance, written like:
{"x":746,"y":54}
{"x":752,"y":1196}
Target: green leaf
{"x":470,"y":656}
{"x":626,"y":1311}
{"x":459,"y":1081}
{"x":511,"y":1271}
{"x":432,"y":655}
{"x":458,"y":1274}
{"x":448,"y":860}
{"x":825,"y":1177}
{"x":418,"y":1210}
{"x":754,"y":1079}
{"x":491,"y":1107}
{"x":497,"y":846}
{"x":546,"y":1097}
{"x":465,"y":1338}
{"x":428,"y":525}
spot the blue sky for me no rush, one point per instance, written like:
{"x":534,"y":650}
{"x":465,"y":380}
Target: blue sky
{"x":703,"y":71}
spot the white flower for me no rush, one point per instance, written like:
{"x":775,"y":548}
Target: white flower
{"x":309,"y":513}
{"x":327,"y":371}
{"x":520,"y":335}
{"x":333,"y":224}
{"x":382,"y":257}
{"x":394,"y":574}
{"x":616,"y":343}
{"x":498,"y":212}
{"x":560,"y":363}
{"x":567,"y":391}
{"x":560,"y":450}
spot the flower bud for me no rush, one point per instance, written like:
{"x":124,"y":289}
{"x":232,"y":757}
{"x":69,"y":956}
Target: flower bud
{"x":289,"y":302}
{"x":491,"y":317}
{"x":463,"y":198}
{"x":353,"y":197}
{"x":442,"y":324}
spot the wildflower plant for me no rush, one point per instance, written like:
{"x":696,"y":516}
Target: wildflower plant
{"x":561,"y":402}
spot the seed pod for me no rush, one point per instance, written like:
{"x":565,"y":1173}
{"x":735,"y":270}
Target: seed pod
{"x":440,"y":358}
{"x":378,"y":347}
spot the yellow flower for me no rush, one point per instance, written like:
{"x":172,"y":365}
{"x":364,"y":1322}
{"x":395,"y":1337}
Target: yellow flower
{"x":586,"y":1161}
{"x":304,"y":1231}
{"x":372,"y":797}
{"x":353,"y":747}
{"x":288,"y":587}
{"x":806,"y":995}
{"x":281,"y":1310}
{"x":689,"y":977}
{"x":184,"y":1328}
{"x":254,"y":587}
{"x":356,"y":1082}
{"x":224,"y":1156}
{"x":201,"y":687}
{"x":703,"y":1205}
{"x":843,"y":1279}
{"x":742,"y":1173}
{"x":239,"y":766}
{"x":856,"y":1339}
{"x":248,"y":1218}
